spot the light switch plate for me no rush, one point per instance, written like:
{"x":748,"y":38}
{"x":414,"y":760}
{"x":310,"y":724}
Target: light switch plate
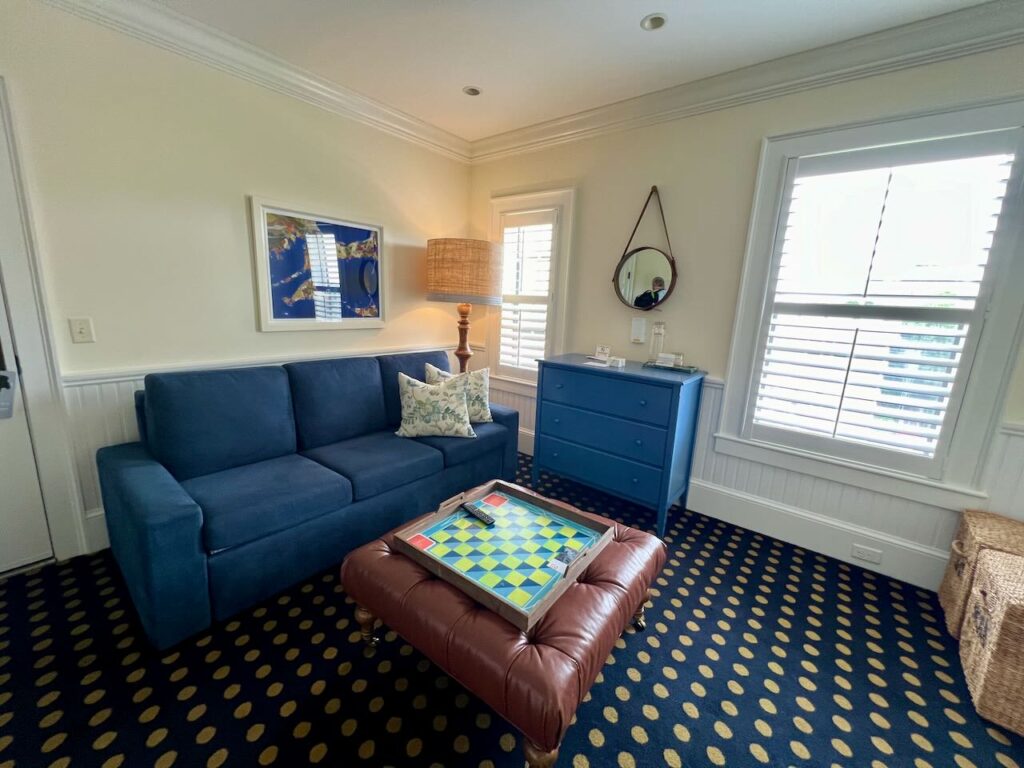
{"x":638,"y":331}
{"x":81,"y":330}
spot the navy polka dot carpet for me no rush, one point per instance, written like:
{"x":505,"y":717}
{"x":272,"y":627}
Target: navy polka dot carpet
{"x":756,"y":653}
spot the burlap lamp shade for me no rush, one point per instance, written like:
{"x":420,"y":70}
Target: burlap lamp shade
{"x":464,"y":271}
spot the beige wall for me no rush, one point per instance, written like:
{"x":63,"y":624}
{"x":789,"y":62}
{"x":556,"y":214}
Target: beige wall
{"x":705,"y":169}
{"x":138,"y":163}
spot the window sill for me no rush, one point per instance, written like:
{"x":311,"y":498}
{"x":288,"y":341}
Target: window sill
{"x":919,"y":489}
{"x":517,"y":386}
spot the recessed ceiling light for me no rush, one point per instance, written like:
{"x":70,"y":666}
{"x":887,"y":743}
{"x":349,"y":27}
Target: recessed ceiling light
{"x":471,"y":90}
{"x":653,"y":21}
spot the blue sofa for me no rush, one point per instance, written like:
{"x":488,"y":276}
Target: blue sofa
{"x":245,"y":481}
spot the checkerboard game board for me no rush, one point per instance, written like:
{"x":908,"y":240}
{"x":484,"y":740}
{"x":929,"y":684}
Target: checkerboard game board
{"x":510,"y":558}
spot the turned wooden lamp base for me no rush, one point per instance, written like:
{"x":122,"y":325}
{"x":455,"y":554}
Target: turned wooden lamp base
{"x":463,"y":352}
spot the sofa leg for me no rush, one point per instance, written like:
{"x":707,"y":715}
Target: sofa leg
{"x":366,"y":621}
{"x":537,"y":757}
{"x":639,"y":622}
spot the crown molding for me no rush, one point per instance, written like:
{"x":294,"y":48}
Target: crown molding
{"x":981,"y":28}
{"x":158,"y":25}
{"x":977,"y":29}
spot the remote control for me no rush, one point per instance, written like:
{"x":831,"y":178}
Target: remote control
{"x":479,"y":514}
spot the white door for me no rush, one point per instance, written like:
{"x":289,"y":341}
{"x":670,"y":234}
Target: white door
{"x":24,"y":536}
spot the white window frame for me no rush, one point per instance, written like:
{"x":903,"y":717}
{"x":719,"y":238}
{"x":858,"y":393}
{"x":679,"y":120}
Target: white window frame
{"x":953,"y":480}
{"x":561,"y":201}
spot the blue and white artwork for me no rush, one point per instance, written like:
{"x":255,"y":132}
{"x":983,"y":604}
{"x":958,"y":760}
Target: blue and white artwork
{"x":318,"y":272}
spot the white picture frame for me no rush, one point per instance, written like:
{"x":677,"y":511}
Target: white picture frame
{"x":304,"y":285}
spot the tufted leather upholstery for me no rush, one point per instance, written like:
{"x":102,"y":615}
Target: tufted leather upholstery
{"x":534,"y":680}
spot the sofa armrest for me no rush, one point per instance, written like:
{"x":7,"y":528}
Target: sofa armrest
{"x":155,"y":530}
{"x":508,"y":418}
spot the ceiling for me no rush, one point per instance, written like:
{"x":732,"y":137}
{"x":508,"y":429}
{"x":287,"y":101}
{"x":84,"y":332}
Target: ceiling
{"x":536,"y":60}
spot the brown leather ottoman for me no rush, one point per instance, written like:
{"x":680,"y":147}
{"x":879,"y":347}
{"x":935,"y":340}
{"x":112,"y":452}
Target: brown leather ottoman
{"x":534,"y":680}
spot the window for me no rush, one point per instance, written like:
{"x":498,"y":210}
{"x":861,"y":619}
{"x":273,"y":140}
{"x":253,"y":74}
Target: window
{"x":533,"y":230}
{"x":527,"y":240}
{"x":878,"y":273}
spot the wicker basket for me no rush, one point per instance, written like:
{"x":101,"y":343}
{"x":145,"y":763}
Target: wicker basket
{"x":978,"y":530}
{"x":992,"y":642}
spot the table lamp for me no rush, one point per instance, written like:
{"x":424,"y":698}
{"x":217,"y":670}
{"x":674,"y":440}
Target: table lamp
{"x":467,"y":272}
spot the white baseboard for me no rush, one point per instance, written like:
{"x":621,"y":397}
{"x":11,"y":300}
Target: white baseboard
{"x":901,"y":559}
{"x":95,"y":531}
{"x":526,"y":441}
{"x":26,"y":563}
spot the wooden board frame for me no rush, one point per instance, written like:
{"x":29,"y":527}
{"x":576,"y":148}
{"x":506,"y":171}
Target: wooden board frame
{"x":521,"y":619}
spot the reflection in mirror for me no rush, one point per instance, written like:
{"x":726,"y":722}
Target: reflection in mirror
{"x":645,"y":277}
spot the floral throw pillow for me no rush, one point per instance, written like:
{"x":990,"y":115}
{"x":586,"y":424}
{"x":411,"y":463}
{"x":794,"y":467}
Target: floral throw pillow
{"x":476,"y":385}
{"x":432,"y":410}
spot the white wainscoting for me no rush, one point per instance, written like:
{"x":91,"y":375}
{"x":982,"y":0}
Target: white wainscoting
{"x":1004,"y":473}
{"x":825,"y":516}
{"x":101,"y":411}
{"x":822,"y":515}
{"x":523,"y":397}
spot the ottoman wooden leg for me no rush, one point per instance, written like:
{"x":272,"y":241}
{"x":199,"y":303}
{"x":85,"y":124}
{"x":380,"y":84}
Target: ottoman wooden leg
{"x":639,"y":622}
{"x":537,"y":757}
{"x":366,"y":621}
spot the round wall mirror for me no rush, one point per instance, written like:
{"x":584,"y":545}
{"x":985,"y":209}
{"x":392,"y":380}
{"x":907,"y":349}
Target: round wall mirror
{"x":645,"y":277}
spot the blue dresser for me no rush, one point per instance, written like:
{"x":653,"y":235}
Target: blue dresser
{"x":628,"y":431}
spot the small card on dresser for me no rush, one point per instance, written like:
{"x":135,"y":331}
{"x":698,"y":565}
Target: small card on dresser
{"x":600,"y":356}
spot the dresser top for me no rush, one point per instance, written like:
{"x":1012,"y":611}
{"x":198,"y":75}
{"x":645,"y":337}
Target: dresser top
{"x":632,"y":370}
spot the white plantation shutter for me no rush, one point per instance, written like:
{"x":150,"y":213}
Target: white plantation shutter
{"x":528,"y":240}
{"x":877,"y":295}
{"x":523,"y":328}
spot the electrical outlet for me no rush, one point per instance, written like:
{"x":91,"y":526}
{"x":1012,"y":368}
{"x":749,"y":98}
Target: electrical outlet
{"x":865,"y":553}
{"x":81,"y":330}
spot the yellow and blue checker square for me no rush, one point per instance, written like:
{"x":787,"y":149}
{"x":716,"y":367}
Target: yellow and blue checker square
{"x":509,"y":559}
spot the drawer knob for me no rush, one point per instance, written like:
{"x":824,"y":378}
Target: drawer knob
{"x":558,"y":420}
{"x":643,"y":402}
{"x":635,"y":480}
{"x":639,"y":442}
{"x":559,"y":386}
{"x":554,"y":453}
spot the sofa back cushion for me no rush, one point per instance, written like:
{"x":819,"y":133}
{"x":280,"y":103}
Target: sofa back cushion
{"x":336,"y":400}
{"x":412,"y":364}
{"x":206,"y":421}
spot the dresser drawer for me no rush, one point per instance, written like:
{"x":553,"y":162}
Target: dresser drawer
{"x":615,"y":474}
{"x":625,"y":438}
{"x":608,"y":394}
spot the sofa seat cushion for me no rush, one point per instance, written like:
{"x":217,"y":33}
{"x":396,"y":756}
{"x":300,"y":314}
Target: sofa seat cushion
{"x":247,"y":503}
{"x":379,"y":461}
{"x":490,"y":436}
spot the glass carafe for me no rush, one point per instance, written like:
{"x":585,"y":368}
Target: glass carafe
{"x":657,"y":339}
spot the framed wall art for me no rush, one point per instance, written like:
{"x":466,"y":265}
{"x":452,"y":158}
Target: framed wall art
{"x":316,"y":272}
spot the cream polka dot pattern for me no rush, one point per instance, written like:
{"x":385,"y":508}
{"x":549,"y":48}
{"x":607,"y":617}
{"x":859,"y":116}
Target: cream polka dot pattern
{"x":757,"y":653}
